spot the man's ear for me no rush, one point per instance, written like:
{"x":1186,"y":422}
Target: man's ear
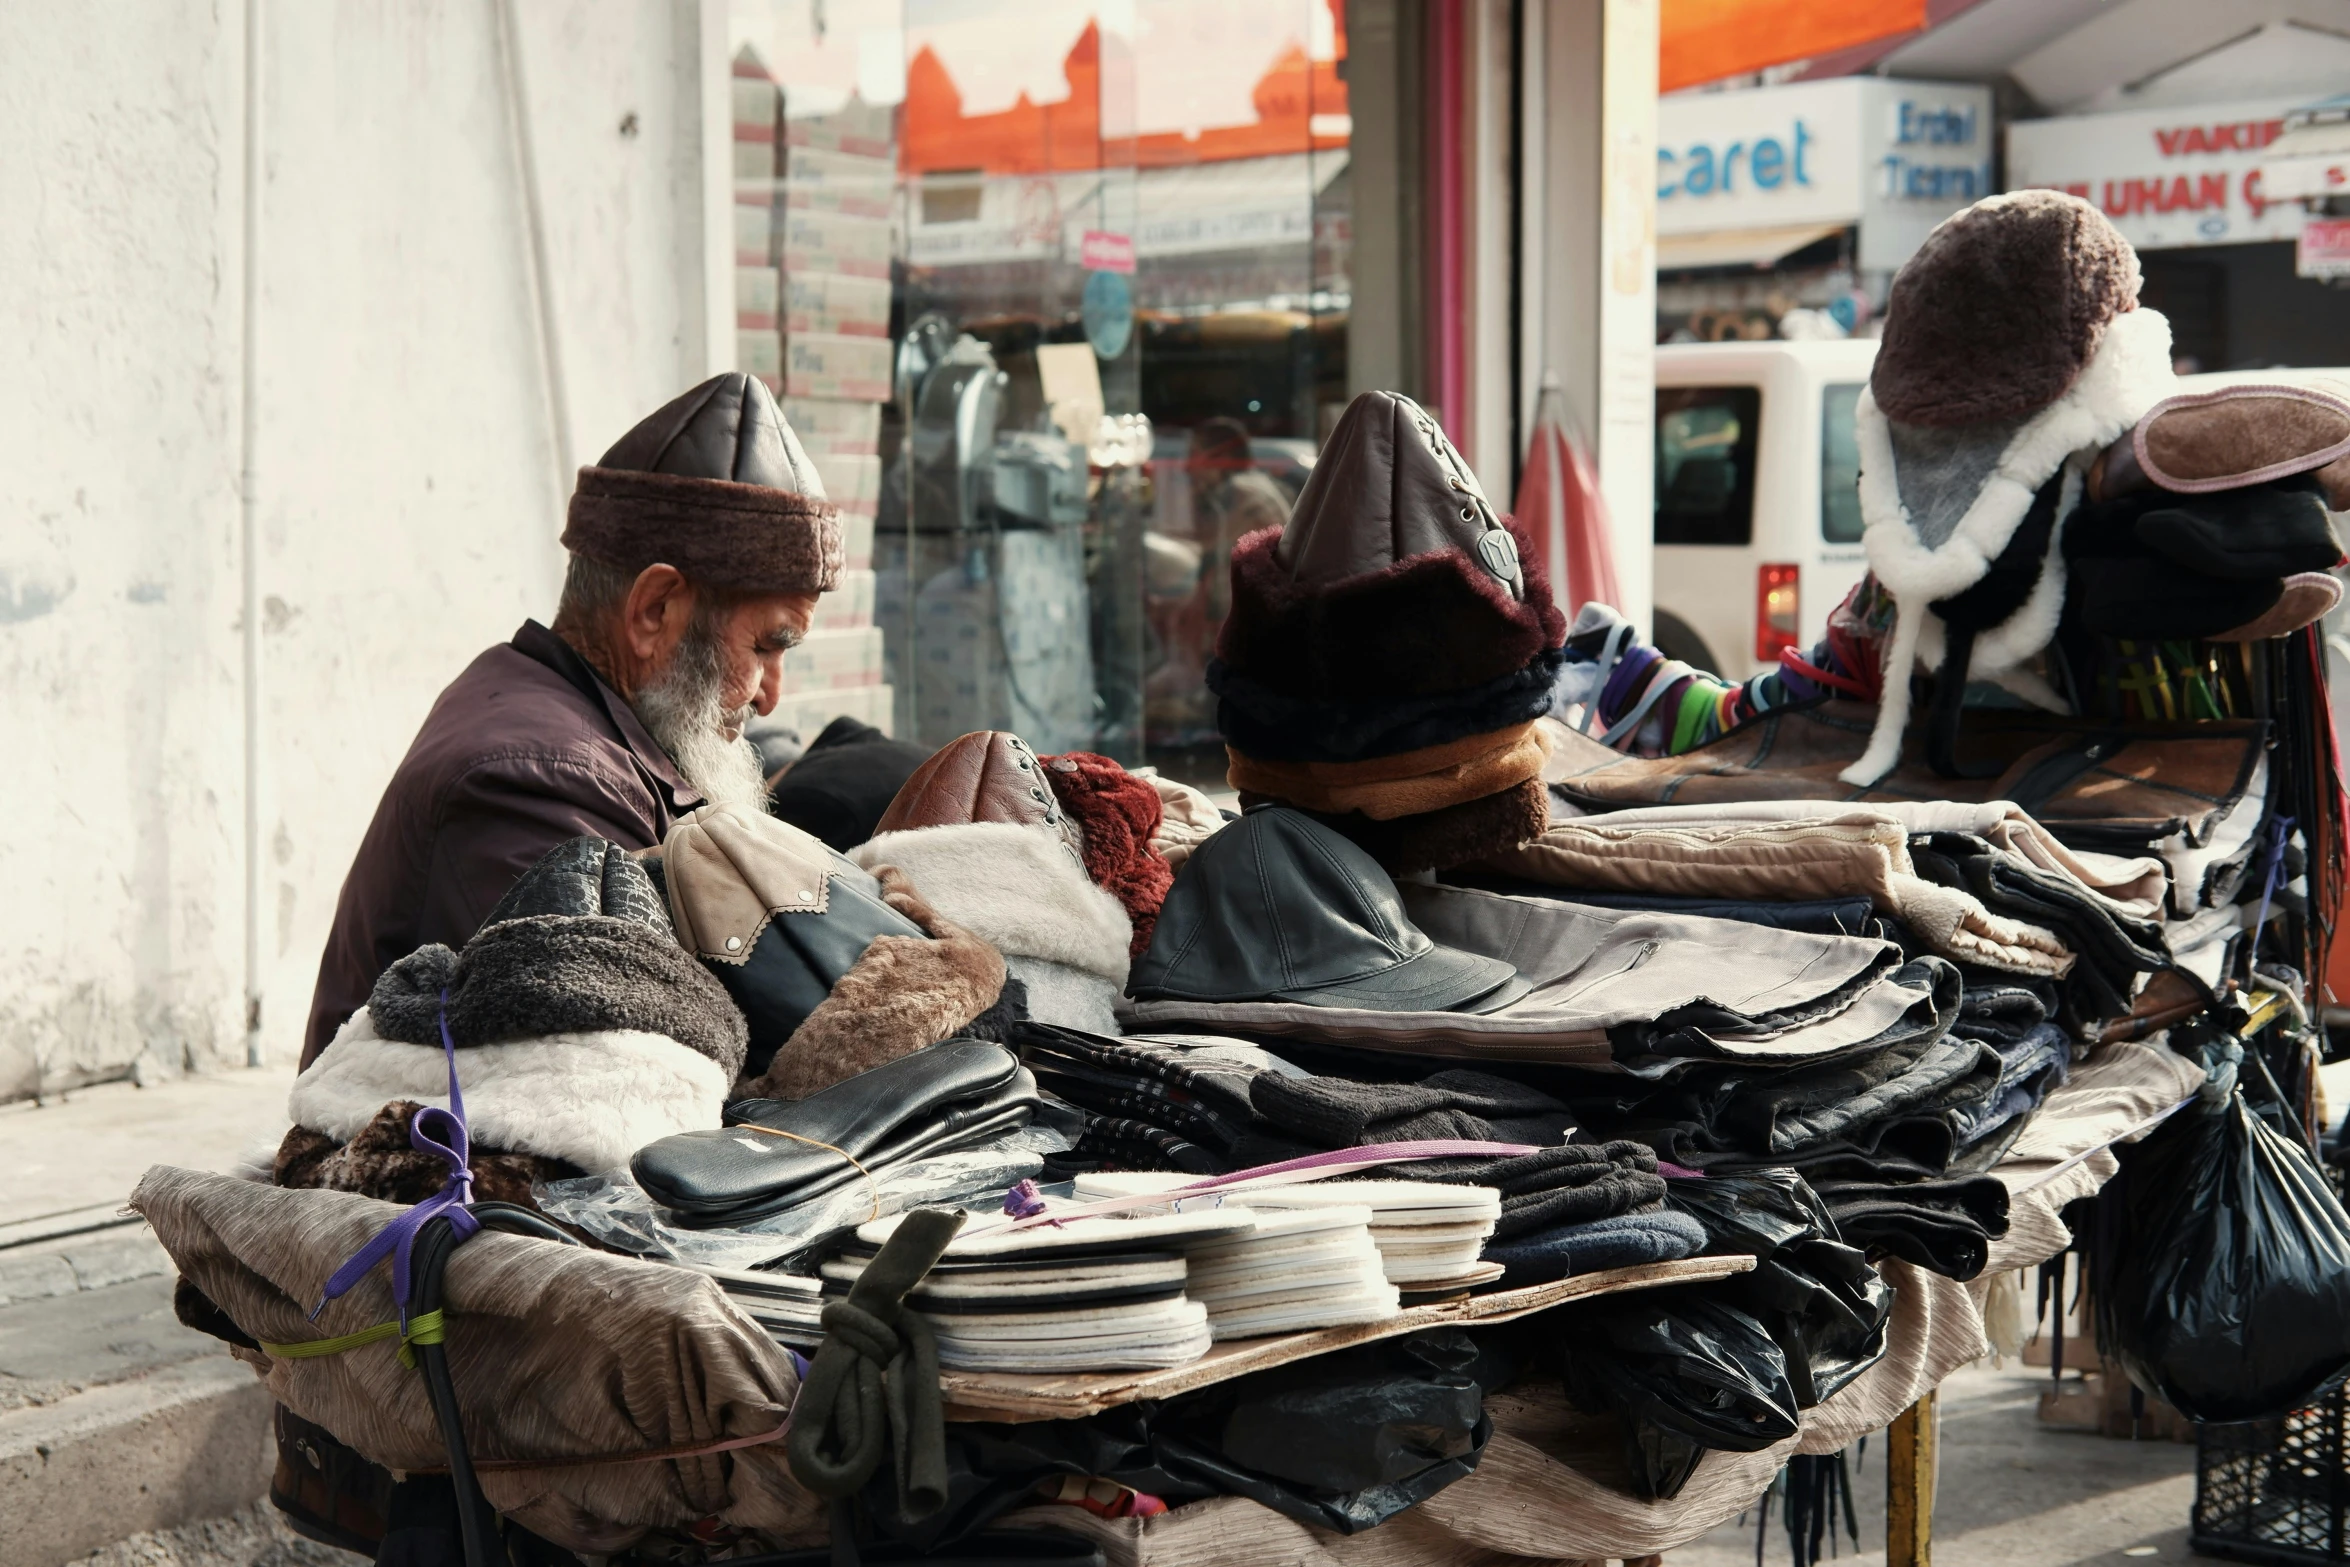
{"x":653,"y":619}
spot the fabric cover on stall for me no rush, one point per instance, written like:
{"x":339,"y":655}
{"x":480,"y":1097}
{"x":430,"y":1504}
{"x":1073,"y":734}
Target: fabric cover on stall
{"x":581,"y":1365}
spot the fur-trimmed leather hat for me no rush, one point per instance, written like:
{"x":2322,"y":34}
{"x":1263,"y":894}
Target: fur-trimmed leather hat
{"x":716,"y":485}
{"x":836,"y":971}
{"x":1394,"y":576}
{"x":2001,"y":309}
{"x":2013,"y":351}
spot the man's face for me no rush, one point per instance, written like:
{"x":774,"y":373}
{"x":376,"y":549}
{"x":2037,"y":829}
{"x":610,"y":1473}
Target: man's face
{"x":701,"y":667}
{"x":752,"y":635}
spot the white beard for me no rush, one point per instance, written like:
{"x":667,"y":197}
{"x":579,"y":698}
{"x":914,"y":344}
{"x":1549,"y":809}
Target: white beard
{"x":684,"y":712}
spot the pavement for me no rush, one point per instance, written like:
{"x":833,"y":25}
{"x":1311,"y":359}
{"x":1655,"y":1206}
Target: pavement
{"x":2010,"y":1493}
{"x":118,"y":1427}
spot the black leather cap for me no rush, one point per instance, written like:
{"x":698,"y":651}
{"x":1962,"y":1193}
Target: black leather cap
{"x":1277,"y":907}
{"x":729,"y":428}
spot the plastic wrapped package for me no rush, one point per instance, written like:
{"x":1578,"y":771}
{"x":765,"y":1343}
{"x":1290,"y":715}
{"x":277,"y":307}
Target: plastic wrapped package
{"x":1683,"y":1372}
{"x":1818,"y":1298}
{"x":618,"y":1213}
{"x":1342,"y":1441}
{"x":2221,"y":1266}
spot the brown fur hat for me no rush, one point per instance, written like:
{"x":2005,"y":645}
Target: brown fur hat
{"x":716,"y":485}
{"x":903,"y":994}
{"x":379,"y":1161}
{"x":1997,"y":314}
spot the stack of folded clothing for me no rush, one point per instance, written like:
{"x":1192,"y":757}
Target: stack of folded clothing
{"x":1279,"y":928}
{"x":788,"y":1305}
{"x":1567,"y":1207}
{"x":2013,"y":1018}
{"x":1165,"y":1102}
{"x":2114,"y":940}
{"x":1388,"y":650}
{"x":775,"y":1155}
{"x":1094,"y":1293}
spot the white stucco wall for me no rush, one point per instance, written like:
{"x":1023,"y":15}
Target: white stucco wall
{"x":407,"y":473}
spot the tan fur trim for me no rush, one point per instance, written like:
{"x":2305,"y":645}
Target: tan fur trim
{"x":1465,"y":770}
{"x":902,"y":995}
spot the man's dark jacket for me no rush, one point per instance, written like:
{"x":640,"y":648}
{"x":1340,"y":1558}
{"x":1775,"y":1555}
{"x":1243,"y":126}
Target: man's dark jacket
{"x":526,"y":749}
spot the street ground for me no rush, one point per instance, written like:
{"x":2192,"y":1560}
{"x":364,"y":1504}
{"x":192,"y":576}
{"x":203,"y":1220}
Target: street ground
{"x":2010,"y":1493}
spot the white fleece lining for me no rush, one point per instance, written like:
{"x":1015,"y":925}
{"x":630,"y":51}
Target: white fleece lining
{"x":2000,"y":652}
{"x":2128,"y":374}
{"x":591,"y":1099}
{"x":1017,"y":888}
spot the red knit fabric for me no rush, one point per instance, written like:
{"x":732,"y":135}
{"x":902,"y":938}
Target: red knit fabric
{"x":1119,"y":812}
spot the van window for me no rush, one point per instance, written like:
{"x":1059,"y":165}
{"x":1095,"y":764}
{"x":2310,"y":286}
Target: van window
{"x":1839,"y":464}
{"x":1705,"y":445}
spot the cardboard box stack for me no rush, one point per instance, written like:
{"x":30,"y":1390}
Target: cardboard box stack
{"x":814,"y":199}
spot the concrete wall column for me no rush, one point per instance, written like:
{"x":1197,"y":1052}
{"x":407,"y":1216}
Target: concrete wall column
{"x":1588,"y":228}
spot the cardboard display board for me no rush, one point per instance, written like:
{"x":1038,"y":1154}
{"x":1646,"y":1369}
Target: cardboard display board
{"x":1011,"y":1397}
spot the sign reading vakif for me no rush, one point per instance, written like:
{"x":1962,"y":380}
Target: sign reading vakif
{"x":1892,"y":157}
{"x":2167,"y":178}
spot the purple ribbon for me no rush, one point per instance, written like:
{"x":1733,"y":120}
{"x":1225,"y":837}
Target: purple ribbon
{"x":398,"y":1238}
{"x":1024,"y":1200}
{"x":2273,"y":881}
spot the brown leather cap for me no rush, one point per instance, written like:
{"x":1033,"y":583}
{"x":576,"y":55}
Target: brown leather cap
{"x":988,"y":775}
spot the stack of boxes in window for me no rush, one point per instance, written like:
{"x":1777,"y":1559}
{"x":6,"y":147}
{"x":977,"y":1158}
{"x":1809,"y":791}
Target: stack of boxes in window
{"x":814,"y":195}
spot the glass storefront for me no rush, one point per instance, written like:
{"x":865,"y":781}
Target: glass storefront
{"x":1056,"y":296}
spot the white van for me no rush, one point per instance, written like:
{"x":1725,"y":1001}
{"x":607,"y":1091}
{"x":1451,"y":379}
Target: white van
{"x":1757,"y":515}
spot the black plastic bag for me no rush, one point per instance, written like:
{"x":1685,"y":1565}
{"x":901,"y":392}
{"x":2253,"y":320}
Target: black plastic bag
{"x":1683,"y":1371}
{"x":1342,"y":1441}
{"x":1819,"y":1299}
{"x":2221,"y":1267}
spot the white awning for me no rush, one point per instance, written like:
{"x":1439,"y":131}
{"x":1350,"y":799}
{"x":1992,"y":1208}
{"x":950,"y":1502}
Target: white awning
{"x":1739,"y":247}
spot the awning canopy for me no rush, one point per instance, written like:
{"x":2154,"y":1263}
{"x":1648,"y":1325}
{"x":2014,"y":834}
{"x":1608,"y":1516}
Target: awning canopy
{"x":1739,"y":247}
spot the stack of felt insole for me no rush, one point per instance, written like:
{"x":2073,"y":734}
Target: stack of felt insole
{"x":1098,"y":1293}
{"x":1430,"y":1234}
{"x":1294,"y":1271}
{"x":787,"y":1305}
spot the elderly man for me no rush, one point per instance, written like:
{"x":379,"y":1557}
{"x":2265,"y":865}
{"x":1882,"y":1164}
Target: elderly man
{"x":698,"y":546}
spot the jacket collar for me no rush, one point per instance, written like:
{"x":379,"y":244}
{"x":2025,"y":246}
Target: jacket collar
{"x":541,"y":645}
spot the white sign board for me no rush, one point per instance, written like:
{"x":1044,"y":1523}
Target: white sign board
{"x":2167,"y":178}
{"x":1894,"y":157}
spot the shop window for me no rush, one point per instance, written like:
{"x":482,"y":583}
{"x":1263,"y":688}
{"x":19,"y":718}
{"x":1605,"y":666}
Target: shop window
{"x":1056,"y":294}
{"x":1840,"y":521}
{"x":1705,"y":451}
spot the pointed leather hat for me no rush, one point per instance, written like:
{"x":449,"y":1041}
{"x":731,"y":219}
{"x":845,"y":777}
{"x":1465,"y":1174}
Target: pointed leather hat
{"x":1394,"y":577}
{"x":716,"y":485}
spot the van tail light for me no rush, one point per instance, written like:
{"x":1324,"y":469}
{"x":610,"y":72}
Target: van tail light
{"x":1778,"y":609}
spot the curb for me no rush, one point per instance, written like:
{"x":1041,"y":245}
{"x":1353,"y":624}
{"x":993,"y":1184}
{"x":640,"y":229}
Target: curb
{"x":184,"y":1443}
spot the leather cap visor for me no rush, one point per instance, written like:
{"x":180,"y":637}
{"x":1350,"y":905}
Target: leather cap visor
{"x":1278,"y":907}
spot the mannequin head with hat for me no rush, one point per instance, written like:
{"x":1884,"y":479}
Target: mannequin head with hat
{"x":698,"y":546}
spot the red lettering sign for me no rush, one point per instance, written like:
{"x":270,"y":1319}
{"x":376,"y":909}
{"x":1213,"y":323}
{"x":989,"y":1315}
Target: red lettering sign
{"x":2242,"y":136}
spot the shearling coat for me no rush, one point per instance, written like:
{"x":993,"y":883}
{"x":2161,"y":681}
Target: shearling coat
{"x":525,"y":750}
